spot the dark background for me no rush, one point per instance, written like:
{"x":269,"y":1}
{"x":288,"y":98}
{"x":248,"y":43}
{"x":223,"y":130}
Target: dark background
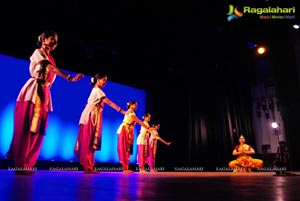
{"x":195,"y":66}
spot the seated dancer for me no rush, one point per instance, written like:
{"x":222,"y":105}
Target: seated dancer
{"x":244,"y":162}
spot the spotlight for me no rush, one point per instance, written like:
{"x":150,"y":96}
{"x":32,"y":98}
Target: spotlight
{"x":296,"y":26}
{"x":274,"y":125}
{"x":261,"y":50}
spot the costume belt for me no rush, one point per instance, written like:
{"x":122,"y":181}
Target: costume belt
{"x":44,"y":83}
{"x":127,"y":123}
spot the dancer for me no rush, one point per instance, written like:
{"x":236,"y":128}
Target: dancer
{"x":244,"y":162}
{"x":33,"y":105}
{"x":126,"y":135}
{"x":143,"y":144}
{"x":153,"y":146}
{"x":90,"y":125}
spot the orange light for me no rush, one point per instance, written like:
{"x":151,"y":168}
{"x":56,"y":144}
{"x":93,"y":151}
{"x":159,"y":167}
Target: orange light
{"x":261,"y":50}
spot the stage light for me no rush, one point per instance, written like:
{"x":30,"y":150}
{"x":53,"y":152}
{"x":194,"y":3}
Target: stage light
{"x":261,"y":50}
{"x":296,"y":26}
{"x":274,"y":125}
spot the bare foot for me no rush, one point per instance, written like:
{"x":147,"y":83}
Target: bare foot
{"x":127,"y":171}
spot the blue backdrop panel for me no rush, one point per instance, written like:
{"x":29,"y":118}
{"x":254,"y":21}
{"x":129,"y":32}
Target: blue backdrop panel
{"x":69,"y":99}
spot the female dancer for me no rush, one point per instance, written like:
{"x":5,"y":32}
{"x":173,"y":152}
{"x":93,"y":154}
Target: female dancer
{"x":143,"y":144}
{"x":153,"y":146}
{"x":90,"y":125}
{"x":33,"y":105}
{"x":126,"y":135}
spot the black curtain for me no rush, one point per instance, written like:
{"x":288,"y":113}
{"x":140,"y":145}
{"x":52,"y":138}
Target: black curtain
{"x":217,"y":117}
{"x":204,"y":118}
{"x":204,"y":110}
{"x":287,"y":75}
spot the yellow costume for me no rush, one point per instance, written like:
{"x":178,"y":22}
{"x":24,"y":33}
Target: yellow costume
{"x":244,"y":162}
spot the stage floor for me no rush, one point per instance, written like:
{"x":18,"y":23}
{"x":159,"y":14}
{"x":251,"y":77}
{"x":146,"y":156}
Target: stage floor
{"x":59,"y":185}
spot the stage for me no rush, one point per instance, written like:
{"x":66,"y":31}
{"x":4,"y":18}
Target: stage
{"x":59,"y":185}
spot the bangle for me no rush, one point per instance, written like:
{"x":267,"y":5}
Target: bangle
{"x":69,"y":77}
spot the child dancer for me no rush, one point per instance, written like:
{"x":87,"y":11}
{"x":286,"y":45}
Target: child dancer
{"x":143,"y":144}
{"x":153,"y":146}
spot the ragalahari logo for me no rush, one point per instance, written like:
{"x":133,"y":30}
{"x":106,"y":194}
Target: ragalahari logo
{"x":233,"y":13}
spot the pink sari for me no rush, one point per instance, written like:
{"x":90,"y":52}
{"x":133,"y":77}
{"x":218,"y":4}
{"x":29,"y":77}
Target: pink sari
{"x":31,"y":121}
{"x":125,"y":145}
